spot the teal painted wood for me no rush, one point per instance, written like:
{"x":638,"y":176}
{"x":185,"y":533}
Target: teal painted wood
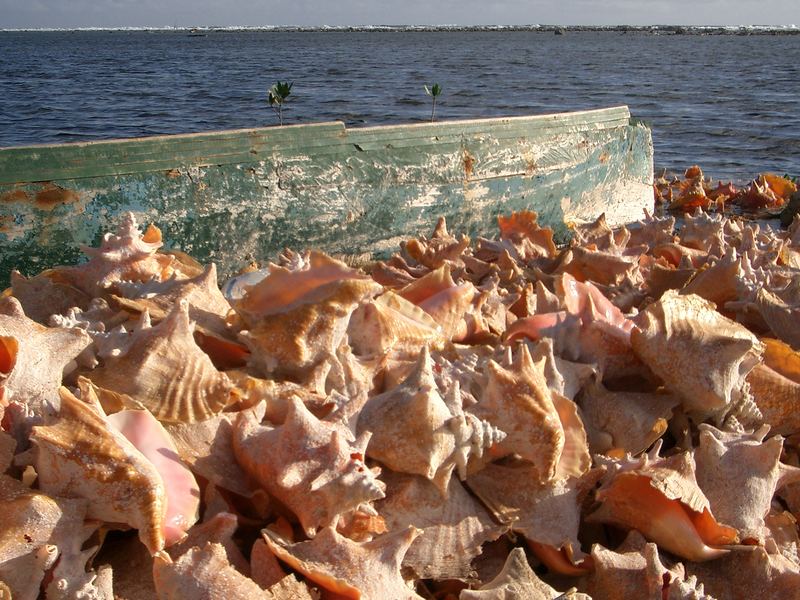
{"x":236,"y":196}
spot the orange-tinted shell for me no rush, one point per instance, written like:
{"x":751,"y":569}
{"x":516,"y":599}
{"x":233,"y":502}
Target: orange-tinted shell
{"x":297,"y":338}
{"x":541,"y":426}
{"x":161,"y":368}
{"x":660,"y":498}
{"x":739,"y":474}
{"x":528,"y":238}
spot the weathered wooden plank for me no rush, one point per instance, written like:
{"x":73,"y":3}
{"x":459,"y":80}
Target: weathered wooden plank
{"x":344,"y":191}
{"x":141,"y":155}
{"x":138,"y":155}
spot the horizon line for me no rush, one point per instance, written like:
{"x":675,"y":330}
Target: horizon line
{"x":386,"y":26}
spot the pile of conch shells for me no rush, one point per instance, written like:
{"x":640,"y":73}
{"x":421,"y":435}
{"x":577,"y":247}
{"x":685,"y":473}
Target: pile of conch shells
{"x":474,"y":419}
{"x":768,"y":194}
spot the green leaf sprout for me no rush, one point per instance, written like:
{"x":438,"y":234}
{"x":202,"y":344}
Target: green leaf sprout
{"x":277,"y":96}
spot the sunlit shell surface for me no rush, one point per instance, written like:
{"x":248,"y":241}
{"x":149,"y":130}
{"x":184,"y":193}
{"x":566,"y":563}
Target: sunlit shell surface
{"x":673,"y":336}
{"x":546,"y":514}
{"x":540,"y":426}
{"x":739,"y":474}
{"x":308,"y":330}
{"x":34,"y":526}
{"x":127,"y":256}
{"x":660,"y":498}
{"x":33,"y":360}
{"x":81,"y":455}
{"x":208,"y":308}
{"x":312,"y":466}
{"x":46,"y":294}
{"x":415,"y":430}
{"x":528,"y":239}
{"x":392,"y":324}
{"x":205,"y":573}
{"x":775,"y":386}
{"x":635,"y":570}
{"x":161,"y":368}
{"x":517,"y":580}
{"x":369,"y":570}
{"x":182,"y":494}
{"x":207,"y":448}
{"x":433,"y":252}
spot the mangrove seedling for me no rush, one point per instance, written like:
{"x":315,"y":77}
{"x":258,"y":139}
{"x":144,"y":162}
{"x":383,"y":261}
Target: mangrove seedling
{"x":277,"y":95}
{"x":434,"y":92}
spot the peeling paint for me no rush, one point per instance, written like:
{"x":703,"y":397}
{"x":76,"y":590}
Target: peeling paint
{"x":14,"y":196}
{"x":51,"y":195}
{"x":330,"y":195}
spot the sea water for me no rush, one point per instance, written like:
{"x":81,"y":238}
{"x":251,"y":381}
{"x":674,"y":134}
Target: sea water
{"x":730,"y":103}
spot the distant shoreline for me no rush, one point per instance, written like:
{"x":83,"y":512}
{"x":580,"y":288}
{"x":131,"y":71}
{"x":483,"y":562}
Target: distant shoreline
{"x":648,"y":29}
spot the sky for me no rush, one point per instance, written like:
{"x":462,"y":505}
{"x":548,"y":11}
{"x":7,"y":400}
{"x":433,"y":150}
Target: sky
{"x":154,"y":13}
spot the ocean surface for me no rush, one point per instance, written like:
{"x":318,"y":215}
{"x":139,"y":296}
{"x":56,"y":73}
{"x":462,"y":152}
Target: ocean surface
{"x":730,"y":103}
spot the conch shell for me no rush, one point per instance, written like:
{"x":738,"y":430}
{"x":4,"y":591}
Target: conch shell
{"x":46,"y":294}
{"x":673,"y":337}
{"x":517,"y":580}
{"x":311,"y":465}
{"x":297,"y":318}
{"x":180,"y":487}
{"x":82,"y":455}
{"x":414,"y":430}
{"x":541,"y":426}
{"x":453,"y":527}
{"x":445,"y":301}
{"x":625,"y":422}
{"x":208,"y":308}
{"x":127,"y":256}
{"x":435,"y":251}
{"x":661,"y":499}
{"x":754,"y":573}
{"x":33,"y":527}
{"x":161,"y":368}
{"x":739,"y":474}
{"x":635,"y":570}
{"x":781,"y":317}
{"x":525,"y":238}
{"x":203,"y":573}
{"x":547,"y":514}
{"x":368,"y":570}
{"x":775,"y":386}
{"x":390,"y":324}
{"x":33,"y":360}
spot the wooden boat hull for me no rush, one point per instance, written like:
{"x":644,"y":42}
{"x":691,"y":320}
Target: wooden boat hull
{"x":235,"y":196}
